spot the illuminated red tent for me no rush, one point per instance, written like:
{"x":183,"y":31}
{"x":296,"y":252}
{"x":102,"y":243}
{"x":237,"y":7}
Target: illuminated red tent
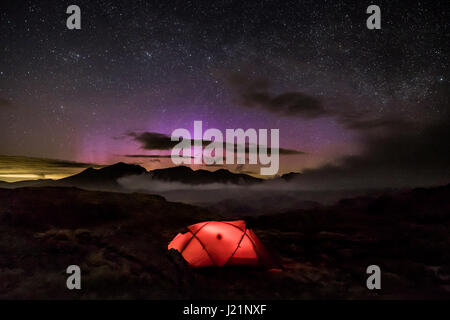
{"x":220,"y":243}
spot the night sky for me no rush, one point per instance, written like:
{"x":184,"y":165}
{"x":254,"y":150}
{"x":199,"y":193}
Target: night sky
{"x":348,"y":100}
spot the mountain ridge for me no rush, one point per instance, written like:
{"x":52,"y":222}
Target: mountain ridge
{"x":106,"y":177}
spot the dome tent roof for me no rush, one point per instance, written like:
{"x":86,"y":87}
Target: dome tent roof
{"x":221,"y":243}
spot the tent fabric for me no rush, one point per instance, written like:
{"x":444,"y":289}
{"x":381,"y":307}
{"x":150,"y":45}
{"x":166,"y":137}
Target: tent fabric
{"x":220,"y":243}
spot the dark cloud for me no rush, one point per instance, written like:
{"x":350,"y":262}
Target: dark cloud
{"x":357,"y":121}
{"x":14,"y":168}
{"x":153,"y":140}
{"x":284,"y":151}
{"x":151,"y":156}
{"x":281,"y":151}
{"x":8,"y":161}
{"x":156,"y":141}
{"x":255,"y":94}
{"x":401,"y":155}
{"x":401,"y":158}
{"x":159,"y":141}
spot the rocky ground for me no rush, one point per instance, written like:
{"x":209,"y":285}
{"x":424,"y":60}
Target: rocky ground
{"x":120,"y":242}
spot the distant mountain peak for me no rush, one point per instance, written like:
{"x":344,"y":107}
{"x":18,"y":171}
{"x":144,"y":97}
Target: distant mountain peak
{"x":116,"y":170}
{"x":121,"y":167}
{"x":105,"y":177}
{"x":189,"y":176}
{"x":174,"y":169}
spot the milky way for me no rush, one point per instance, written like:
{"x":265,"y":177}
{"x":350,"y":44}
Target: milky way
{"x":154,"y":66}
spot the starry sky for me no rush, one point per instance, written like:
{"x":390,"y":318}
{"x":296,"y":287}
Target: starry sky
{"x":136,"y":69}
